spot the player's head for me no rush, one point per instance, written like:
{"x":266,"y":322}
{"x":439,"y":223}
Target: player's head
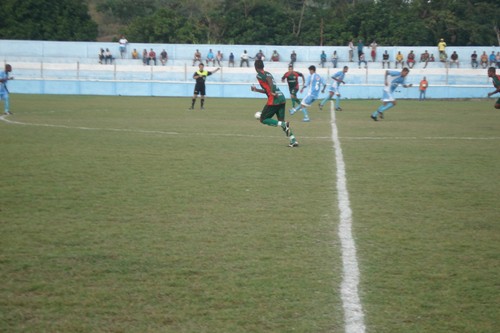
{"x":201,"y":65}
{"x":491,"y":71}
{"x":312,"y":69}
{"x":8,"y":68}
{"x":259,"y":64}
{"x":346,"y":68}
{"x":405,"y":72}
{"x":290,"y":67}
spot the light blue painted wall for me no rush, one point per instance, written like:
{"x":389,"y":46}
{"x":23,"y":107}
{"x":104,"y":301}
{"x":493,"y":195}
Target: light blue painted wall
{"x":444,"y":83}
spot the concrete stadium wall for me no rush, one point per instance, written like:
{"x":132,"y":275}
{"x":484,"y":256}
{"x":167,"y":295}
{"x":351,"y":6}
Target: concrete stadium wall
{"x":49,"y":68}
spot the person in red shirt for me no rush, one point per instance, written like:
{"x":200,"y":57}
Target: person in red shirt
{"x":152,"y":56}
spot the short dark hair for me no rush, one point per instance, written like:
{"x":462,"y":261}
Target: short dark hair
{"x":312,"y":68}
{"x":259,"y":64}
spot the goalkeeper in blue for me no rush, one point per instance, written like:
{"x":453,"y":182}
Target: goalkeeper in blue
{"x":313,"y":85}
{"x":338,"y":78}
{"x":389,"y":88}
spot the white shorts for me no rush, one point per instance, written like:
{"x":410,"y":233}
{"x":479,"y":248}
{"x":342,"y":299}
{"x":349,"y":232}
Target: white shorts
{"x":387,"y":95}
{"x":308,"y":100}
{"x":335,"y":89}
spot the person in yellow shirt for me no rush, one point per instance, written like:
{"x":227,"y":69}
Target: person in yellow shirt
{"x":399,"y":60}
{"x":442,"y":50}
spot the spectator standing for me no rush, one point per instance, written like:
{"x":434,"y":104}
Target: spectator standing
{"x":373,"y":51}
{"x":210,"y":57}
{"x":334,"y":59}
{"x":199,"y":89}
{"x":219,"y":57}
{"x":498,"y":59}
{"x":293,"y":57}
{"x":385,"y":60}
{"x":197,"y":57}
{"x":442,"y":49}
{"x":454,"y":59}
{"x":351,"y":50}
{"x":135,"y":54}
{"x":275,"y":56}
{"x":410,"y":59}
{"x":244,"y":59}
{"x":276,"y":103}
{"x":152,"y":57}
{"x":4,"y":92}
{"x":360,"y":48}
{"x":473,"y":60}
{"x":423,"y":88}
{"x":496,"y":83}
{"x":163,"y":57}
{"x":322,"y":59}
{"x":399,"y":60}
{"x":231,"y":60}
{"x":484,"y":60}
{"x":122,"y":45}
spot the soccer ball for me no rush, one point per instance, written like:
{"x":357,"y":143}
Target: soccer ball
{"x":257,"y":115}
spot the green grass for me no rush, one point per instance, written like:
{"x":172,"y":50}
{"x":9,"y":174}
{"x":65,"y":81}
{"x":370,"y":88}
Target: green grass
{"x":131,"y":214}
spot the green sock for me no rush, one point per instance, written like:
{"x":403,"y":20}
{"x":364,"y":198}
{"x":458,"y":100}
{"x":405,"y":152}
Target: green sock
{"x":270,"y":122}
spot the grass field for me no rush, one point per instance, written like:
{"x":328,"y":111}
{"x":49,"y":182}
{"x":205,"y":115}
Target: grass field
{"x":131,"y":214}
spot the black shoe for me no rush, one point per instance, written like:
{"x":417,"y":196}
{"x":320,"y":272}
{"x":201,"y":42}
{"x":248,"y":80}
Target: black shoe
{"x":338,"y":109}
{"x":374,"y":117}
{"x":191,"y":108}
{"x":381,"y":115}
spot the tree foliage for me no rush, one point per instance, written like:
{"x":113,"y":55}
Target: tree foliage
{"x":46,"y":20}
{"x":277,"y":22}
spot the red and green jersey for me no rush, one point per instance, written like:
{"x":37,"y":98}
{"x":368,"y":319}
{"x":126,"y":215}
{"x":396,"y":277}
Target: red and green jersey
{"x":262,"y":77}
{"x":293,"y":79}
{"x":496,"y":81}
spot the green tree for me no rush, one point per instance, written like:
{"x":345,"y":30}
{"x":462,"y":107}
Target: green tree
{"x":46,"y":20}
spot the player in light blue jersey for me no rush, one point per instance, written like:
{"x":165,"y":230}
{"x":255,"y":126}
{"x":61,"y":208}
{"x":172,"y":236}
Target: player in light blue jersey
{"x":338,"y":78}
{"x":387,"y":97}
{"x":4,"y":92}
{"x":313,"y":85}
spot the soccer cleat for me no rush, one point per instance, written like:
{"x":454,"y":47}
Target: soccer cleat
{"x":286,"y":128}
{"x":338,"y":109}
{"x":292,"y":111}
{"x":293,"y":144}
{"x":203,"y":108}
{"x":374,"y":117}
{"x":306,"y":120}
{"x":381,"y":115}
{"x":190,"y":108}
{"x":321,"y":107}
{"x":7,"y":113}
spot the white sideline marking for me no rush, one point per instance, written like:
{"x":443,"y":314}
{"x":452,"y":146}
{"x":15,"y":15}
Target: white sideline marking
{"x":353,"y":311}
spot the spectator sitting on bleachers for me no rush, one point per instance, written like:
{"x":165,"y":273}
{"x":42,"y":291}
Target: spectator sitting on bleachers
{"x":218,"y":57}
{"x":163,"y":57}
{"x":361,"y":59}
{"x":431,"y":58}
{"x":424,"y":57}
{"x":152,"y":57}
{"x":492,"y":59}
{"x":108,"y":57}
{"x":210,"y":57}
{"x":410,"y":59}
{"x":399,"y":60}
{"x":454,"y":59}
{"x":244,"y":58}
{"x":385,"y":60}
{"x":145,"y":57}
{"x":498,"y":59}
{"x":135,"y":54}
{"x":473,"y":60}
{"x":259,"y":56}
{"x":484,"y":60}
{"x":197,"y":57}
{"x":231,"y":60}
{"x":101,"y":55}
{"x":275,"y":56}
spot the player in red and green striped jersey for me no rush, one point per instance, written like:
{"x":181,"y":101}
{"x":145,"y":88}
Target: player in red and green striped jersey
{"x":276,"y":102}
{"x":496,"y":83}
{"x":292,"y":78}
